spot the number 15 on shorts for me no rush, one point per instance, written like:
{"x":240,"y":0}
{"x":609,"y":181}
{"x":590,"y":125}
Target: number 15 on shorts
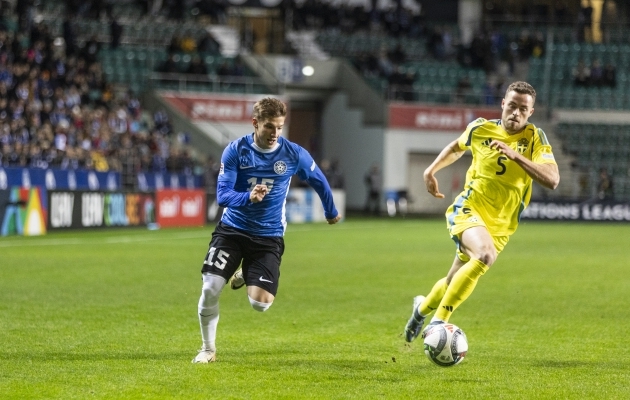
{"x":221,"y":258}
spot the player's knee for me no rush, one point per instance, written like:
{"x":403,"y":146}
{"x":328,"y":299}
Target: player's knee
{"x":211,"y":290}
{"x":487,"y":256}
{"x":259,"y":305}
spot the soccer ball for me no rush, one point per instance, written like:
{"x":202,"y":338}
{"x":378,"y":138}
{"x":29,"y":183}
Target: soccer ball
{"x":445,"y":344}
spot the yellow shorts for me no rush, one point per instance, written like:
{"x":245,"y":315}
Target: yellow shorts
{"x":461,"y":217}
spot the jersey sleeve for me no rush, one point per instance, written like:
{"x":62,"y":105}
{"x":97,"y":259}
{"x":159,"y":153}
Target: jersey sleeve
{"x":542,"y":153}
{"x":229,"y":165}
{"x":465,"y":139}
{"x":310,"y":172}
{"x":226,"y":195}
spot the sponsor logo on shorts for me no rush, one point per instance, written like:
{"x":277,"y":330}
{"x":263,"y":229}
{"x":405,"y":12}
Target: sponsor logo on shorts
{"x":264,"y":280}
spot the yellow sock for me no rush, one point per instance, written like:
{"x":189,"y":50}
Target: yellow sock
{"x":432,"y":301}
{"x":462,"y":285}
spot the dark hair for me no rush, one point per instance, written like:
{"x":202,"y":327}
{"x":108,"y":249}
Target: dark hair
{"x":268,"y":108}
{"x":522,"y":88}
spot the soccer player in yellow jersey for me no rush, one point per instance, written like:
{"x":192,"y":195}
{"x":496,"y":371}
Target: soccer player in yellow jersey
{"x":507,"y":154}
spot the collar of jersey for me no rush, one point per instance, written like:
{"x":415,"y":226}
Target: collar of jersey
{"x":255,"y":146}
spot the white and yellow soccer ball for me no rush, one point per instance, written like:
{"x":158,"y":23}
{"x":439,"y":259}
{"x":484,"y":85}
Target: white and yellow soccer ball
{"x":445,"y":345}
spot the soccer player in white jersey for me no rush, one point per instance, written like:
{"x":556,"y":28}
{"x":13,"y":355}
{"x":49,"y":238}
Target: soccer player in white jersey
{"x":253,"y":185}
{"x":508,"y":154}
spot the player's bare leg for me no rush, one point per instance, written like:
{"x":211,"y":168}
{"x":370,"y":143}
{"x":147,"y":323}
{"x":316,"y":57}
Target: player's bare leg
{"x":259,"y":298}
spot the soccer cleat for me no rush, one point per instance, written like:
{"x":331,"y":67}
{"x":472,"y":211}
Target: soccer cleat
{"x":414,"y":325}
{"x":431,"y":325}
{"x":205,"y":357}
{"x":237,"y":281}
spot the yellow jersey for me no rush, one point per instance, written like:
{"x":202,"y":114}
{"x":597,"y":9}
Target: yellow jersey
{"x":497,"y":189}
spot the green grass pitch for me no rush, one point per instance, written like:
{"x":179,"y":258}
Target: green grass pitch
{"x":113,"y":315}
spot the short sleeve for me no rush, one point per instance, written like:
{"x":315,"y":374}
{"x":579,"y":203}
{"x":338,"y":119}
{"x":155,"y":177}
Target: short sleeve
{"x":542,"y":153}
{"x":465,"y":139}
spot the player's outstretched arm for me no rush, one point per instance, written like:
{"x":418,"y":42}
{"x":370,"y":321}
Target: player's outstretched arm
{"x":447,"y":156}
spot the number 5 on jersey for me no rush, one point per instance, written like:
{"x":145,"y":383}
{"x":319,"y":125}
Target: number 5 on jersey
{"x":220,"y":259}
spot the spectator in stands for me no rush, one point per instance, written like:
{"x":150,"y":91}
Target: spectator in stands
{"x":91,"y":49}
{"x":525,"y":45}
{"x":610,"y":76}
{"x":538,"y":45}
{"x":69,"y":36}
{"x":463,"y":90}
{"x":581,"y":74}
{"x":435,"y":44}
{"x":115,"y":32}
{"x":224,"y":69}
{"x":174,"y":45}
{"x":585,"y":22}
{"x":210,"y":175}
{"x":374,"y":183}
{"x":597,"y":73}
{"x":197,"y":67}
{"x":367,"y":64}
{"x":188,"y":43}
{"x":605,"y":186}
{"x":333,"y":173}
{"x":207,"y":44}
{"x":397,"y":56}
{"x":385,"y":65}
{"x":169,"y":65}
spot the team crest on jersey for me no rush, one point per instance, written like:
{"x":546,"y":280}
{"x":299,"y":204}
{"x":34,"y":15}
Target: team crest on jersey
{"x":280,"y":167}
{"x":486,"y":142}
{"x":522,"y":145}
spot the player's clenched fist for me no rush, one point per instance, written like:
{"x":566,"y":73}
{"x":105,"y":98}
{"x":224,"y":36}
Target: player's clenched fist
{"x":258,"y":193}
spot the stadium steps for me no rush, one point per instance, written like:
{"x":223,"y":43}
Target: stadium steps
{"x":306,"y":44}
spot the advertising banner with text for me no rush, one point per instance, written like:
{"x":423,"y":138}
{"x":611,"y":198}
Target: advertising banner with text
{"x":411,"y":116}
{"x":577,"y":211}
{"x":82,"y":209}
{"x":23,"y":211}
{"x":181,"y":207}
{"x":200,"y":107}
{"x":212,"y":108}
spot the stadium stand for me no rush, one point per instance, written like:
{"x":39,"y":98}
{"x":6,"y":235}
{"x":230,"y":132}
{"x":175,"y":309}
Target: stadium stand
{"x":60,"y":110}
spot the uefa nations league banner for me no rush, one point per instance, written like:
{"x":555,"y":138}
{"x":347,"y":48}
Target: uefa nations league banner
{"x":92,"y":209}
{"x":577,"y":211}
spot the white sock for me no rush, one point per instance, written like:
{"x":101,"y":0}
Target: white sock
{"x":208,"y":309}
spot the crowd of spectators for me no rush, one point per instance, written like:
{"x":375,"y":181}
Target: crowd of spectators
{"x":57,"y":111}
{"x":396,"y":21}
{"x":594,"y":75}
